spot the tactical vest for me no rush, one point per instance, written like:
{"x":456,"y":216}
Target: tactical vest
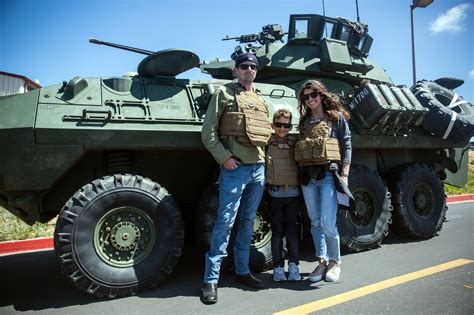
{"x":315,"y":146}
{"x":249,"y":124}
{"x":280,"y":164}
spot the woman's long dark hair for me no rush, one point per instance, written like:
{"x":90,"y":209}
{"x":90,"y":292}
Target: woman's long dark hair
{"x":330,"y":102}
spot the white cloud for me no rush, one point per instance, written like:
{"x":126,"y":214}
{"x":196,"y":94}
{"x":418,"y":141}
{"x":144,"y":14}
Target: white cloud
{"x":453,"y":20}
{"x":471,"y":74}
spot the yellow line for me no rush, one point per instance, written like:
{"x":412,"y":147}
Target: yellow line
{"x":357,"y":293}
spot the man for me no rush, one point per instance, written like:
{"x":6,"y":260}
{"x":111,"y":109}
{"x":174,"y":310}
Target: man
{"x":235,"y":130}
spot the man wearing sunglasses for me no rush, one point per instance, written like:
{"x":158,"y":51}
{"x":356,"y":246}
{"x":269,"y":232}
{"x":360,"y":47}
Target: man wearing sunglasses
{"x":235,"y":131}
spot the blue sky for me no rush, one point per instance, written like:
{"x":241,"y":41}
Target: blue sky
{"x":48,"y":39}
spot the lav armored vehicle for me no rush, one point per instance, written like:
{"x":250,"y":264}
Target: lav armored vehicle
{"x":120,"y":159}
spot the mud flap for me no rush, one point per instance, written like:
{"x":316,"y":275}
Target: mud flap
{"x":461,"y":157}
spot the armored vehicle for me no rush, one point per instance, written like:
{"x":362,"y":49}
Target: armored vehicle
{"x":120,"y":159}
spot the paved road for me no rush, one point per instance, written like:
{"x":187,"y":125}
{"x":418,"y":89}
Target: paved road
{"x":31,"y":282}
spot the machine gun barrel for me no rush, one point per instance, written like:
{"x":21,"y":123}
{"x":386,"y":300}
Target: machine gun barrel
{"x":248,"y":38}
{"x":133,"y":49}
{"x":269,"y":34}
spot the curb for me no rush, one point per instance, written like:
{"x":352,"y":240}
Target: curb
{"x":33,"y":244}
{"x":458,"y":198}
{"x":44,"y":243}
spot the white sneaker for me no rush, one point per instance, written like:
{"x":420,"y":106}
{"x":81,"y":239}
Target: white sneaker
{"x":279,"y":274}
{"x":318,"y":272}
{"x":293,"y":272}
{"x":333,"y":272}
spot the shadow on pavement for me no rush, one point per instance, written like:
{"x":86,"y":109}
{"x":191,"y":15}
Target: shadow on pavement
{"x":33,"y":281}
{"x":187,"y":278}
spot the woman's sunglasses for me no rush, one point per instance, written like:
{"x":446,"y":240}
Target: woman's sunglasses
{"x":246,"y":66}
{"x":284,"y":125}
{"x":314,"y":94}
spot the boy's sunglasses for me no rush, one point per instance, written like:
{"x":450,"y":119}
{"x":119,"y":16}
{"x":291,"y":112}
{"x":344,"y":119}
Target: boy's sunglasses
{"x":284,"y":125}
{"x":314,"y":94}
{"x":246,"y":66}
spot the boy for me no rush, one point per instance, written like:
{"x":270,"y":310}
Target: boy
{"x":284,"y":191}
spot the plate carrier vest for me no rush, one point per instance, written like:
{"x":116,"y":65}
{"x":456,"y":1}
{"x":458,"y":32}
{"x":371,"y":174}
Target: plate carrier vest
{"x":281,"y":168}
{"x":316,"y":147}
{"x":249,"y":124}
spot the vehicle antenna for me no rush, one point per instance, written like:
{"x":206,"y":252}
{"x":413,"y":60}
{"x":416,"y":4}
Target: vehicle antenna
{"x":357,"y":8}
{"x":324,"y":14}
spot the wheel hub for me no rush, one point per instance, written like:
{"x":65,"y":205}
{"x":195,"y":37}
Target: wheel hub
{"x":261,"y":231}
{"x":124,"y":236}
{"x":361,"y":208}
{"x":365,"y":208}
{"x":422,"y":200}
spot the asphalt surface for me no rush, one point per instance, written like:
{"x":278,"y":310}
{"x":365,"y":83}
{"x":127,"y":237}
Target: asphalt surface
{"x":32,"y":282}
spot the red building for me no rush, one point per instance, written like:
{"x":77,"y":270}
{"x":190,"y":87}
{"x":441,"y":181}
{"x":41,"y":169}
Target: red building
{"x":11,"y":83}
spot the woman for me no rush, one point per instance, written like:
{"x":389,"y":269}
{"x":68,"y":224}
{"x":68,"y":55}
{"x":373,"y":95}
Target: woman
{"x":324,"y":138}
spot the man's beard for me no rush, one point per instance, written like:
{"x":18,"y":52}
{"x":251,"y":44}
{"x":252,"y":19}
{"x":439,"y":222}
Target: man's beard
{"x":247,"y":79}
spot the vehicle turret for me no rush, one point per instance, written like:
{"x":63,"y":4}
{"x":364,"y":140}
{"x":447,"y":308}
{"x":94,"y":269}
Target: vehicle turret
{"x":335,"y":47}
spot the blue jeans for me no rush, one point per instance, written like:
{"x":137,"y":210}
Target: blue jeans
{"x":321,"y":203}
{"x":242,"y":187}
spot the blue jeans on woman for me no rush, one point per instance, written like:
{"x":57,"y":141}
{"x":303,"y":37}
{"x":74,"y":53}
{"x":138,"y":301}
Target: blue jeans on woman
{"x":321,"y":203}
{"x":242,"y":187}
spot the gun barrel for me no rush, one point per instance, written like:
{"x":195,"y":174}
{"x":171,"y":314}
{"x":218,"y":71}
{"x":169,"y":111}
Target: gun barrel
{"x":244,"y":38}
{"x":132,"y":49}
{"x":230,"y":38}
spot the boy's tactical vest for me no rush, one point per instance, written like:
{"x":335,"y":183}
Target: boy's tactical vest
{"x":249,"y":125}
{"x":281,"y":168}
{"x":315,"y":146}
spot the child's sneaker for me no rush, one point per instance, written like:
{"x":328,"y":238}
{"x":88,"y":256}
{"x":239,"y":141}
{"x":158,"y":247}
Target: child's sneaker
{"x":334,"y":271}
{"x":318,"y":272}
{"x":293,"y":272}
{"x":279,"y":274}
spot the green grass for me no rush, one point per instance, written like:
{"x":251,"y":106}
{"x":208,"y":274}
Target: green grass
{"x":12,"y":228}
{"x":467,"y":189}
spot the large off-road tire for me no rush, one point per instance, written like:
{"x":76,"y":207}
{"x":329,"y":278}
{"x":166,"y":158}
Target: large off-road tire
{"x":443,"y":113}
{"x":418,"y":199}
{"x":260,"y":249}
{"x":366,"y":226}
{"x":119,"y":235}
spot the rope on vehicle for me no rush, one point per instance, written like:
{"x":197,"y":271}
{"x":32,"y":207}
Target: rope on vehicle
{"x":454,"y":115}
{"x":453,"y":102}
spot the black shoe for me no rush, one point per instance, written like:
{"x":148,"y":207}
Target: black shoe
{"x":209,"y":293}
{"x":250,"y":280}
